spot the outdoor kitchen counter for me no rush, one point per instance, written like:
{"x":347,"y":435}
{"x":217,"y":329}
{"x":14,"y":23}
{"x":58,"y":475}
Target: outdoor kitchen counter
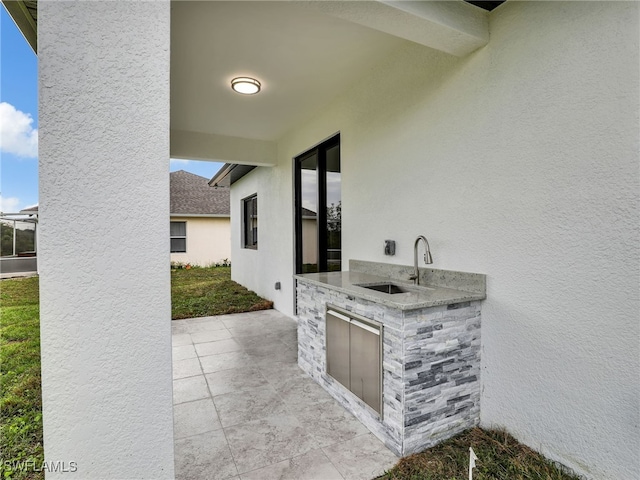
{"x":423,"y":296}
{"x":426,"y":355}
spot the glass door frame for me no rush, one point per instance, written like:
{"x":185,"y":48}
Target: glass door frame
{"x":320,"y":151}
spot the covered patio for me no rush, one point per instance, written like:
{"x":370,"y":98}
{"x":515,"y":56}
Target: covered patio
{"x":243,"y":407}
{"x":509,"y":137}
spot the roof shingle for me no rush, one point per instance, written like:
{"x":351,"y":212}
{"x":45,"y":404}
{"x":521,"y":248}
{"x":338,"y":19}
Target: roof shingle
{"x":191,"y":194}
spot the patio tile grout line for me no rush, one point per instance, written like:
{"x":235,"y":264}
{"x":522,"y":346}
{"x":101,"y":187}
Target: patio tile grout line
{"x":297,"y":456}
{"x":288,"y":408}
{"x":261,"y":373}
{"x":321,"y":448}
{"x":338,"y":443}
{"x":332,"y":463}
{"x":306,"y":430}
{"x":188,"y":376}
{"x":235,"y":464}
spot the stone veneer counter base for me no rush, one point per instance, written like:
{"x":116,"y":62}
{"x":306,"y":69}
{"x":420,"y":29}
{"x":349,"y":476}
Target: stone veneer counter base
{"x":430,"y":357}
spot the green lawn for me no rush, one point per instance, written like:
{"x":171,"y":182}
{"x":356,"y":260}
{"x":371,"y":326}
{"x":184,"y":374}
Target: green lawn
{"x":20,"y":392}
{"x":201,"y":292}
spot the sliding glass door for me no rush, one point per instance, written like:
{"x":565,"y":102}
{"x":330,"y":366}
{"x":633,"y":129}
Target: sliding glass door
{"x":318,"y":208}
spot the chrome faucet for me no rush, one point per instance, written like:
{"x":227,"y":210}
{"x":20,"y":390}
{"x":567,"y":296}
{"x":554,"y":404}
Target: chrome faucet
{"x":427,"y":258}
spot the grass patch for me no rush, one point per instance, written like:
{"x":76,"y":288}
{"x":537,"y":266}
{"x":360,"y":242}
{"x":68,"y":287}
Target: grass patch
{"x":201,"y":292}
{"x":500,"y":457}
{"x":20,"y":391}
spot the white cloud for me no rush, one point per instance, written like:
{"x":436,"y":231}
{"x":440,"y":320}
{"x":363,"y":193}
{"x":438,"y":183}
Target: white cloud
{"x":9,"y":204}
{"x":179,"y":161}
{"x":17,"y":135}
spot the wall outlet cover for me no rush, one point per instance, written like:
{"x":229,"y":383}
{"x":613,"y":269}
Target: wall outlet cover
{"x":389,"y":247}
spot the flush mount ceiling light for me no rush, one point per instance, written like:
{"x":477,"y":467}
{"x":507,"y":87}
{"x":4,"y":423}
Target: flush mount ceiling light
{"x":245,"y":85}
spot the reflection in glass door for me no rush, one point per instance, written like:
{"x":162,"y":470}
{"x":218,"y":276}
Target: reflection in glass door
{"x":309,"y":212}
{"x":319,"y":209}
{"x":333,"y":206}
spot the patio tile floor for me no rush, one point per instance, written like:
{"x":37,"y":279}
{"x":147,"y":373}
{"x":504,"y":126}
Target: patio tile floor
{"x":244,"y":410}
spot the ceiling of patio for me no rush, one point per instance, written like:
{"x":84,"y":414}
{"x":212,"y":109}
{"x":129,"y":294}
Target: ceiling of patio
{"x":305,"y":54}
{"x":303,"y":59}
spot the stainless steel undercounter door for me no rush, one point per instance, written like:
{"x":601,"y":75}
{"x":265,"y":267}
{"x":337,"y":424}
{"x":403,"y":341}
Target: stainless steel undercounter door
{"x":365,"y":363}
{"x":354,"y":355}
{"x":338,"y":347}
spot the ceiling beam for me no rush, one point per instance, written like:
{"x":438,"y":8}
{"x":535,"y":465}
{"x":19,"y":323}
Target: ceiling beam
{"x":223,"y":148}
{"x":455,"y":27}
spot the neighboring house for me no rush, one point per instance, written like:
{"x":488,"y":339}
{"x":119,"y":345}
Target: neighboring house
{"x":200,"y":227}
{"x":310,"y":235}
{"x":30,"y":211}
{"x":20,"y":237}
{"x":19,"y":242}
{"x":509,"y":138}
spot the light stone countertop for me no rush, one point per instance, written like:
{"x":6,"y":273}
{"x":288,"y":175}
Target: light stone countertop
{"x":423,"y":296}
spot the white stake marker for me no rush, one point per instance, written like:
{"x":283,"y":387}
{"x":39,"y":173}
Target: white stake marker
{"x":472,"y":462}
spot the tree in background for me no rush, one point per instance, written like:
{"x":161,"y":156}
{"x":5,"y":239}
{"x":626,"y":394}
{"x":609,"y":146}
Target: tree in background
{"x":334,"y":224}
{"x":334,"y":235}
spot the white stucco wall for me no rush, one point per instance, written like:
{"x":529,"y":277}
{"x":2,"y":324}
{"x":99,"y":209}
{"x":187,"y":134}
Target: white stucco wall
{"x":519,"y":161}
{"x":104,"y":276}
{"x":257,"y":267}
{"x":208,"y":240}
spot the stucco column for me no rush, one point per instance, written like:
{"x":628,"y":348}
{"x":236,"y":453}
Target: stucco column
{"x":104,"y":238}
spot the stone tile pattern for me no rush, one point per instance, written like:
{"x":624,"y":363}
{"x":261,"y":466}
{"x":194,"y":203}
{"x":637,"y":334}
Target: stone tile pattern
{"x":431,"y":367}
{"x":441,"y":373}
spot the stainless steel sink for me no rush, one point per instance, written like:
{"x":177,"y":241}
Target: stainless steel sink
{"x":386,"y":287}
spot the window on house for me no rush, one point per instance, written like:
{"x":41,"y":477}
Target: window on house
{"x":250,"y":221}
{"x":178,"y":237}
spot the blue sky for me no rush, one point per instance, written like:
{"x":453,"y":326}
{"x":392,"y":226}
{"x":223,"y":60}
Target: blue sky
{"x":18,"y":101}
{"x":19,"y":123}
{"x":204,"y":169}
